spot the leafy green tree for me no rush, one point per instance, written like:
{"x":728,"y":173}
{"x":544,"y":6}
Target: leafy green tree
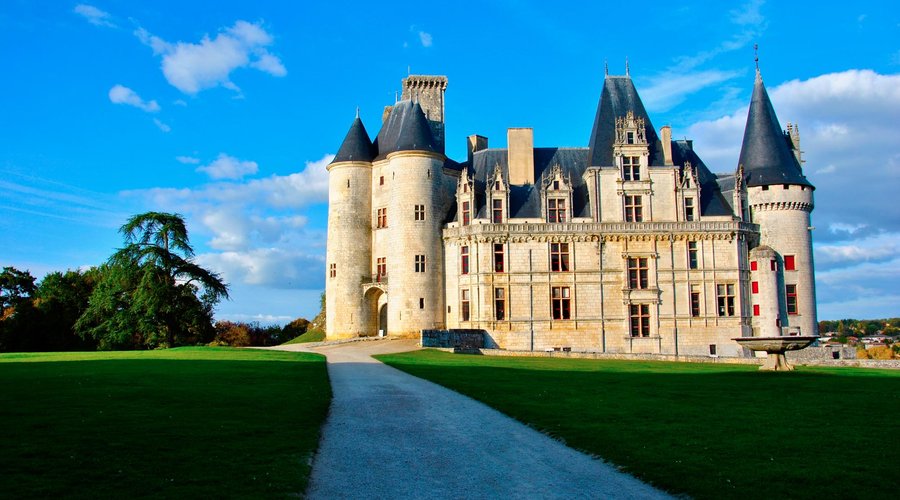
{"x":15,"y":287}
{"x":60,"y":299}
{"x":151,"y":292}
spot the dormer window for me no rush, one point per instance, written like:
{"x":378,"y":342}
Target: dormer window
{"x":631,"y":168}
{"x":466,"y":213}
{"x":556,"y":210}
{"x":497,"y":211}
{"x":556,"y":185}
{"x":629,"y":137}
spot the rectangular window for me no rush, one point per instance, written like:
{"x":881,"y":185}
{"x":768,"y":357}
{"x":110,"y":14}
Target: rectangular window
{"x":756,"y":309}
{"x":773,"y":265}
{"x":497,"y":211}
{"x":332,"y":270}
{"x":559,"y":257}
{"x":500,"y":304}
{"x":419,"y":212}
{"x":381,"y":218}
{"x":725,"y":299}
{"x":695,"y":301}
{"x":789,"y":263}
{"x":381,"y":181}
{"x":629,"y":137}
{"x":381,"y":268}
{"x":790,"y":293}
{"x":637,"y":273}
{"x":421,"y":302}
{"x":634,"y":211}
{"x":692,"y":255}
{"x":640,"y":320}
{"x":464,"y":260}
{"x":688,"y":209}
{"x":498,"y":257}
{"x":466,"y":214}
{"x":712,"y":349}
{"x":556,"y":210}
{"x":631,"y":168}
{"x":754,"y":287}
{"x":464,"y":305}
{"x":560,"y":302}
{"x":420,"y":263}
{"x":753,"y":266}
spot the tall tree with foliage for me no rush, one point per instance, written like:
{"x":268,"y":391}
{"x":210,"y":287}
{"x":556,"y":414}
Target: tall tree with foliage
{"x":151,"y":292}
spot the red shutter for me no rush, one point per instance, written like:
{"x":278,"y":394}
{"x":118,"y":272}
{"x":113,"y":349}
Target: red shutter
{"x":754,"y":286}
{"x":789,"y":263}
{"x":756,"y":309}
{"x":753,"y":265}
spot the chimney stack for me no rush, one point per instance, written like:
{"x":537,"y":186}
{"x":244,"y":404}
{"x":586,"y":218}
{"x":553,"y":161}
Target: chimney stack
{"x":475,"y":143}
{"x":520,"y":144}
{"x":665,"y":136}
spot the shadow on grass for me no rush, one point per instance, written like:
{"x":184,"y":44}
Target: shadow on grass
{"x":709,"y":431}
{"x":140,"y":426}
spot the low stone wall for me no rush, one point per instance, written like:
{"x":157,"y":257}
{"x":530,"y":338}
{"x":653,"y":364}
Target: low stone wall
{"x":821,"y":353}
{"x":455,"y":339}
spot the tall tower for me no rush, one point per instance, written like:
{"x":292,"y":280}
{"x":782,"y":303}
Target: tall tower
{"x":349,"y":251}
{"x":415,"y":209}
{"x":780,"y":200}
{"x":428,"y":92}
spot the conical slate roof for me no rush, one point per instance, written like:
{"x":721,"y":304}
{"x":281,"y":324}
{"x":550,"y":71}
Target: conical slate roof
{"x":406,"y":129}
{"x":356,"y":146}
{"x":766,"y":153}
{"x":618,"y":98}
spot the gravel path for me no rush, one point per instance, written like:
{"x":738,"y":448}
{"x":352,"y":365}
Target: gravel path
{"x":392,"y":435}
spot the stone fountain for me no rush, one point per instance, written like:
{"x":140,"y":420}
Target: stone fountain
{"x":775,"y":347}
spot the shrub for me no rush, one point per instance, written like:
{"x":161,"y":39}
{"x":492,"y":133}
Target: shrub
{"x":861,"y":353}
{"x":881,"y":352}
{"x":233,"y":334}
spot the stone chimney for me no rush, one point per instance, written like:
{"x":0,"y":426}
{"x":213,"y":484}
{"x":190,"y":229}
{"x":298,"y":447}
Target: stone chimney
{"x":665,"y":136}
{"x":475,"y":143}
{"x":520,"y":144}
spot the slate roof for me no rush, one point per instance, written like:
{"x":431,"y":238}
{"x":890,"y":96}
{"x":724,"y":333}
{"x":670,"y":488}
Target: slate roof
{"x":406,"y":129}
{"x":356,"y":146}
{"x":617,"y":98}
{"x":766,"y":152}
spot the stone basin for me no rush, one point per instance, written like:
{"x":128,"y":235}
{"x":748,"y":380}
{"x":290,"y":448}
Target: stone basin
{"x":776,"y":347}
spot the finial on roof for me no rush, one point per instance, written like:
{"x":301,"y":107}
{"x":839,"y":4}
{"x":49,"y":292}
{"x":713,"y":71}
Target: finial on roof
{"x":606,"y":67}
{"x":357,"y":111}
{"x":756,"y":56}
{"x":627,"y":70}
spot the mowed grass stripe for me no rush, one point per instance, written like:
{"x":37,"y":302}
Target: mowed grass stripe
{"x":188,"y":422}
{"x":709,"y":431}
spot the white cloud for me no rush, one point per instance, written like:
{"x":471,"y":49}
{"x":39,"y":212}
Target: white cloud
{"x":874,"y":248}
{"x":274,"y":267}
{"x":748,"y":14}
{"x":179,"y":102}
{"x":192,"y":67}
{"x":425,"y":39}
{"x":229,"y":167}
{"x":94,"y":15}
{"x":120,"y":94}
{"x":188,"y":160}
{"x":162,"y":126}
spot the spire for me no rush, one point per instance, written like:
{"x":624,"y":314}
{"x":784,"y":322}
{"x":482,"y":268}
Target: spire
{"x":627,"y":70}
{"x":605,"y":67}
{"x":766,"y":154}
{"x":756,"y":61}
{"x":356,"y":146}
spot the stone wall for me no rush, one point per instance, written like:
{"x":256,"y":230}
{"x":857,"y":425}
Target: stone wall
{"x":459,"y":340}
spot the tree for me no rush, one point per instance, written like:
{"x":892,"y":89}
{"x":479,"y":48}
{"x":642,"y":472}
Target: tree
{"x":60,"y":299}
{"x":15,"y":287}
{"x":149,"y":294}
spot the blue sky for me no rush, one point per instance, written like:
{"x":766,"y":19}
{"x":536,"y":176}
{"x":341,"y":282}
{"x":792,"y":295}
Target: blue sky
{"x":228,"y":115}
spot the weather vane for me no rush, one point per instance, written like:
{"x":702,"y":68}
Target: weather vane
{"x":756,"y":55}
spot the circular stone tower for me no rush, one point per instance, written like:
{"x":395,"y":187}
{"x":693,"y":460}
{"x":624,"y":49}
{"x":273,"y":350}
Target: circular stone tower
{"x":780,"y":200}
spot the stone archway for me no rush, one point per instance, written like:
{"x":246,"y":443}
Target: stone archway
{"x":383,"y":320}
{"x":375,"y":299}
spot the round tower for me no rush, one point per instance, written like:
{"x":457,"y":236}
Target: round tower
{"x":413,"y":244}
{"x":764,"y":292}
{"x":349,"y":248}
{"x":780,"y":200}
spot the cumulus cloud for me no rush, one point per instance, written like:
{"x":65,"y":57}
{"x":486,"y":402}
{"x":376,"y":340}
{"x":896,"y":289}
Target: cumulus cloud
{"x":120,"y":94}
{"x":192,"y":67}
{"x":94,"y":15}
{"x":254,"y":229}
{"x":229,"y":167}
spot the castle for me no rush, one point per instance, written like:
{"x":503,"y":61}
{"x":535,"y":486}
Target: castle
{"x":630,"y":245}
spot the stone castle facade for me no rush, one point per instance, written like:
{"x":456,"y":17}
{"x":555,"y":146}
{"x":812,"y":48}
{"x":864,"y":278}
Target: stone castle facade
{"x":629,"y":245}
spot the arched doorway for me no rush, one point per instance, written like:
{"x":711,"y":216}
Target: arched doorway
{"x":382,"y":320}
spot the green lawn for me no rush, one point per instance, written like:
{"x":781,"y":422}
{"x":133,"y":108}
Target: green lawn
{"x":310,"y":336}
{"x":710,"y":431}
{"x":187,"y":422}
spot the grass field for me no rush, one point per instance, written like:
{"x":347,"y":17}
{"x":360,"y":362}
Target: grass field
{"x":188,"y":422}
{"x":709,"y":431}
{"x":310,"y":336}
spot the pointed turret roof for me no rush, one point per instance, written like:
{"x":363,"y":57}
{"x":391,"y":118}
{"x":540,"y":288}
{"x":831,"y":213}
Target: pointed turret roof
{"x":406,"y":129}
{"x":619,"y":96}
{"x":356,"y":146}
{"x":766,"y":153}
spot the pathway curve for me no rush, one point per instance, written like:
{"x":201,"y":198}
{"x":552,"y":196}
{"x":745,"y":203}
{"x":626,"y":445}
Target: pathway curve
{"x":392,"y":435}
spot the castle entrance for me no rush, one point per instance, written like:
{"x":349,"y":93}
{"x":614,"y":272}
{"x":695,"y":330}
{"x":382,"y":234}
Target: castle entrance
{"x":376,"y":310}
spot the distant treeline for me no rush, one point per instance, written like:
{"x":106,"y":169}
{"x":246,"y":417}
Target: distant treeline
{"x":860,"y":327}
